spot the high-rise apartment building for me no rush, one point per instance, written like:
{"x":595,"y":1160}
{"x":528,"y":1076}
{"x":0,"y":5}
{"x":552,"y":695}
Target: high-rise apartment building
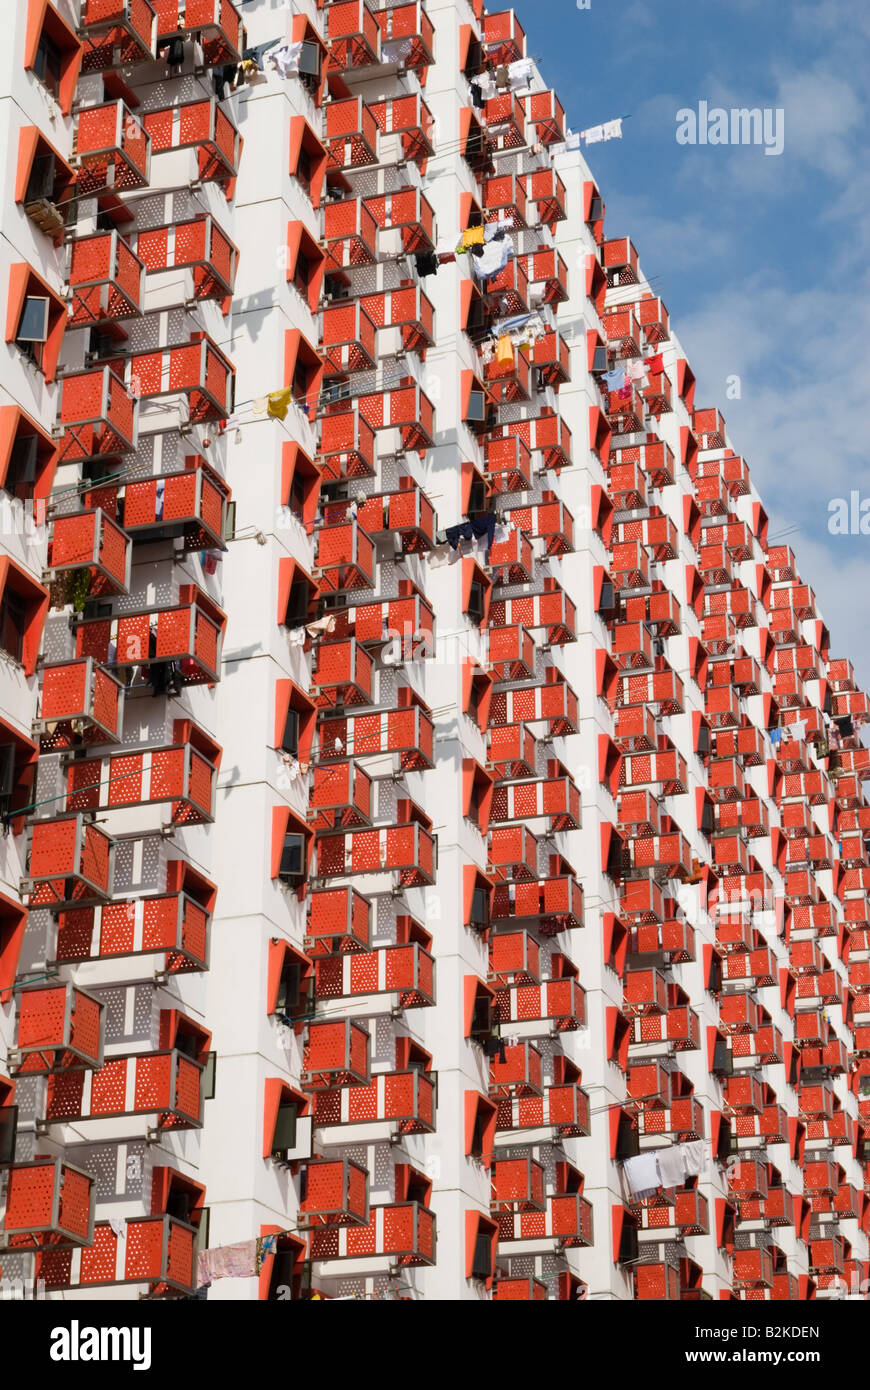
{"x":434,"y":833}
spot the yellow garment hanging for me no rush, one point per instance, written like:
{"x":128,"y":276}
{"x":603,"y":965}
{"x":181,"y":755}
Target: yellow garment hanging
{"x":504,"y":350}
{"x":472,"y":236}
{"x":279,"y":403}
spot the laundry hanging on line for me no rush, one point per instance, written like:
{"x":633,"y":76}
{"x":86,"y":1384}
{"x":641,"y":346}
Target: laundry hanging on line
{"x":285,"y":60}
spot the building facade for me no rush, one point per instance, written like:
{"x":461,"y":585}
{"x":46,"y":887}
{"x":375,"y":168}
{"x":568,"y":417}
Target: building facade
{"x":434,"y":835}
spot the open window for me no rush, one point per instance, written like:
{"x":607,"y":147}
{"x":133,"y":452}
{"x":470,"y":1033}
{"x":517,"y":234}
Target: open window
{"x":412,"y":1185}
{"x":305,"y":263}
{"x":297,"y":594}
{"x":52,"y":52}
{"x":476,"y":694}
{"x":23,"y":606}
{"x":477,"y":892}
{"x":284,"y":1136}
{"x":477,"y":789}
{"x":28,"y":456}
{"x":13,"y":921}
{"x":295,"y":720}
{"x":625,"y":1243}
{"x":8,"y":1121}
{"x":479,"y":1009}
{"x":300,"y":483}
{"x":612,"y":850}
{"x":303,"y":371}
{"x":43,"y":182}
{"x":175,"y":1194}
{"x":290,"y":981}
{"x":481,"y":1240}
{"x":624,"y":1136}
{"x":476,"y":409}
{"x":618,"y":1039}
{"x":18,"y":756}
{"x":312,"y":57}
{"x":307,"y":158}
{"x":410,"y":1056}
{"x":474,"y":490}
{"x":185,"y":1035}
{"x":476,"y":591}
{"x":291,"y":848}
{"x":35,"y":318}
{"x":284,"y":1276}
{"x":480,"y":1117}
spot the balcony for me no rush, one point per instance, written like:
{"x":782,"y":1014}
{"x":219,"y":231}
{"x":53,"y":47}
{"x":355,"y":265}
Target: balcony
{"x":165,"y":1084}
{"x":336,"y":1054}
{"x":98,"y":416}
{"x":197,"y":370}
{"x":679,"y":1025}
{"x":114,"y":150}
{"x":190,"y":506}
{"x":664,"y":770}
{"x":664,"y":688}
{"x":563,"y":1108}
{"x":753,"y":1269}
{"x":509,"y":381}
{"x":512,"y":751}
{"x":555,"y":904}
{"x":657,"y":394}
{"x":403,"y":1233}
{"x":180,"y":774}
{"x":49,"y":1205}
{"x":518,"y":1075}
{"x":405,"y":1100}
{"x":188,"y":636}
{"x":567,"y":1220}
{"x":620,"y":262}
{"x":551,"y":611}
{"x":217,"y":23}
{"x":503,"y":37}
{"x":345,"y":557}
{"x":352,"y":31}
{"x":551,"y":356}
{"x":554,"y":702}
{"x":343,"y":675}
{"x":509,"y":289}
{"x":116,"y":33}
{"x":350,"y":234}
{"x":407,"y":971}
{"x":79,"y":702}
{"x":683,"y":1118}
{"x":828,"y":1256}
{"x":517,"y":1185}
{"x":201,"y":126}
{"x":505,"y":197}
{"x":406,"y":308}
{"x":198,"y":245}
{"x":511,"y":653}
{"x":153,"y":1250}
{"x":554,"y":799}
{"x":513,"y":853}
{"x":410,"y":118}
{"x":408,"y":514}
{"x":347,"y":444}
{"x":405,"y":408}
{"x":545,"y":112}
{"x":407,"y":850}
{"x":646,"y":992}
{"x":505,"y":119}
{"x":407,"y":34}
{"x":653,"y":319}
{"x":670,"y":852}
{"x":174,"y":923}
{"x":547,"y":191}
{"x":526,"y":1290}
{"x":560,"y":1002}
{"x":91,"y":543}
{"x":546,"y":433}
{"x":687,"y":1214}
{"x":106,"y":279}
{"x":336,"y":1194}
{"x":512,"y":561}
{"x":71,"y":863}
{"x":350,"y":133}
{"x":408,"y":732}
{"x":59,"y":1029}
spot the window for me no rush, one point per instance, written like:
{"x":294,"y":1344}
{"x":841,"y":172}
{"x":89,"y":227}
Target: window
{"x":481,"y":1018}
{"x":481,"y":1265}
{"x":476,"y":498}
{"x":309,"y":65}
{"x":476,"y":406}
{"x":292,"y":869}
{"x":723,"y":1062}
{"x":479,"y":909}
{"x":8,"y":1129}
{"x":298,"y":603}
{"x":290,"y":995}
{"x":13,"y":618}
{"x":290,"y":737}
{"x":284,"y":1137}
{"x":33,"y":327}
{"x":209,"y":1076}
{"x":599,"y":359}
{"x":47,"y":65}
{"x":628,"y":1248}
{"x":596,"y":210}
{"x":21,"y":472}
{"x":478,"y":1137}
{"x":476,"y":602}
{"x":607,"y":602}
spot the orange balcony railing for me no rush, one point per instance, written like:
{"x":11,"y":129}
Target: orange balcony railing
{"x":98,"y":417}
{"x":171,"y":923}
{"x":106,"y":279}
{"x":202,"y":126}
{"x":154,"y":1250}
{"x":116,"y":33}
{"x":165,"y":1084}
{"x":91,"y":542}
{"x":79,"y":700}
{"x":48,"y":1204}
{"x":113,"y":148}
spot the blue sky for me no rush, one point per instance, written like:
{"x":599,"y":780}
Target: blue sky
{"x":762,"y":260}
